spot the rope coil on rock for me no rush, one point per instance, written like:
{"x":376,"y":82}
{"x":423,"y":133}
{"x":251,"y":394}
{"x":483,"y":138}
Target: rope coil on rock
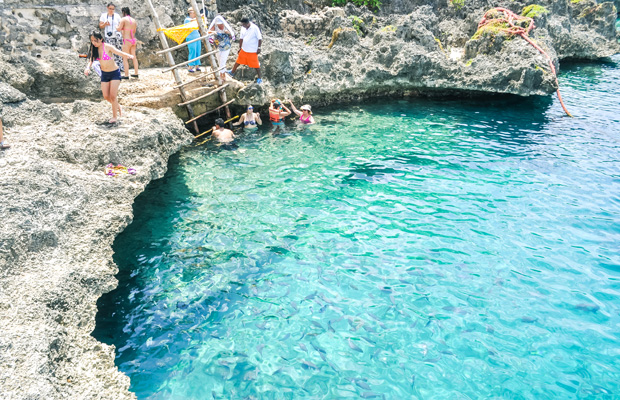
{"x":518,"y":25}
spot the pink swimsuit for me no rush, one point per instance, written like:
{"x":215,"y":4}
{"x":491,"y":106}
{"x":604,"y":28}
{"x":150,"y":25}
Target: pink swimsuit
{"x":105,"y":56}
{"x":305,"y":121}
{"x":133,"y":39}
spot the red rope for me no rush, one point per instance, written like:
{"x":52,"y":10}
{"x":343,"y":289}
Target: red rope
{"x":510,"y":18}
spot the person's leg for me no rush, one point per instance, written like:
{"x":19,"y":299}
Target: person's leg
{"x":192,"y":54}
{"x":126,"y":49}
{"x":113,"y":99}
{"x":2,"y":144}
{"x":258,"y":73}
{"x":105,"y":90}
{"x":135,"y":59}
{"x":234,"y":69}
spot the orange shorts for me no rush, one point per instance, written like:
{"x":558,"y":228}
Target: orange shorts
{"x":249,"y":59}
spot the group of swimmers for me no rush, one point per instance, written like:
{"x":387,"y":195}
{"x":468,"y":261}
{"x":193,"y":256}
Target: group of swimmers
{"x":251,"y":120}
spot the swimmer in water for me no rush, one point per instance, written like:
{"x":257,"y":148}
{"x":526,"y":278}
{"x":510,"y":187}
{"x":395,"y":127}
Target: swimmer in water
{"x":277,"y":113}
{"x":304,"y":113}
{"x":221,"y":134}
{"x":249,"y":119}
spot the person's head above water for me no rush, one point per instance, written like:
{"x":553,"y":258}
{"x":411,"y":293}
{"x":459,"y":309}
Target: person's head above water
{"x":191,"y":11}
{"x":125,"y":11}
{"x":250,"y":108}
{"x":219,"y":122}
{"x":245,"y":22}
{"x":277,"y":103}
{"x":306,"y":107}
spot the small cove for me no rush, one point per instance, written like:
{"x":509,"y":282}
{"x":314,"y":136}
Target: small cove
{"x":416,"y":248}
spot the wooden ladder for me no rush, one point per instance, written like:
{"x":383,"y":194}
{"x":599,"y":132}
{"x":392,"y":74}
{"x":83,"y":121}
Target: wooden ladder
{"x":215,"y":69}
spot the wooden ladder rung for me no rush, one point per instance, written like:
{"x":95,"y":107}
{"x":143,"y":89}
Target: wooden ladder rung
{"x":189,"y":61}
{"x":210,"y":111}
{"x":219,"y":89}
{"x":190,"y":81}
{"x":182,"y":45}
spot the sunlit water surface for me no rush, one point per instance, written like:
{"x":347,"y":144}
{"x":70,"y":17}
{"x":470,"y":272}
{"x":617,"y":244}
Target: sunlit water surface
{"x":432,"y":249}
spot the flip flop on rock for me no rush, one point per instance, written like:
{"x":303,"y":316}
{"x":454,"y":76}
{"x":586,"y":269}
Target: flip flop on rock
{"x":4,"y":146}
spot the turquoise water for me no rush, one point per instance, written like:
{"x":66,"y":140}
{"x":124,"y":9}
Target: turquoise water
{"x":431,"y":249}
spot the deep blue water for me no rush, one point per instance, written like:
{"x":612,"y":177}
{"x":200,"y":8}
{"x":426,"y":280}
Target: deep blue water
{"x":432,"y":249}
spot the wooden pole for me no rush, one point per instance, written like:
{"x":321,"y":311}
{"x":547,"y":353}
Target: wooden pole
{"x":175,"y":72}
{"x":214,"y":65}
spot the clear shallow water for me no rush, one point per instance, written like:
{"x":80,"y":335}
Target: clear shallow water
{"x":435,"y":249}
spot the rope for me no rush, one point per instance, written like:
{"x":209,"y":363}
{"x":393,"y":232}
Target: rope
{"x":518,"y":25}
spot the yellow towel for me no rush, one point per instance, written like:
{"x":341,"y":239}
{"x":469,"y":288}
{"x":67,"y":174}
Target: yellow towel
{"x":180,"y":32}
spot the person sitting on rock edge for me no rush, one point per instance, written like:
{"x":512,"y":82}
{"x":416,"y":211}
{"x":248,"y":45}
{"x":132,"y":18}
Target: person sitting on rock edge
{"x":3,"y":144}
{"x":250,"y":42}
{"x":221,"y":134}
{"x":305,"y":115}
{"x":249,"y":119}
{"x":110,"y":72}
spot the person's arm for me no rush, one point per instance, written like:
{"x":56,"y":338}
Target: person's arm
{"x":295,"y":110}
{"x":240,"y":120}
{"x":103,"y":22}
{"x":311,"y":120}
{"x":121,"y":25}
{"x":114,"y":50}
{"x":260,"y":42}
{"x":257,"y":118}
{"x":286,"y":112}
{"x":240,"y":44}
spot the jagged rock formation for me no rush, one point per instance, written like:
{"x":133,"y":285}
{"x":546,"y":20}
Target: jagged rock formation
{"x":321,"y":54}
{"x":60,"y":215}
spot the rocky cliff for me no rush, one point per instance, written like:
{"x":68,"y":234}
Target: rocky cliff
{"x":60,"y":215}
{"x":320,"y":54}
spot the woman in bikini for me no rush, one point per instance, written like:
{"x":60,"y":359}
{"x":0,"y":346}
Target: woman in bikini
{"x":304,"y":113}
{"x":249,"y":119}
{"x":110,"y":73}
{"x":128,"y":28}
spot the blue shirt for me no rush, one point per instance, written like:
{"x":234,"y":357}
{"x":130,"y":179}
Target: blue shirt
{"x":195,"y":34}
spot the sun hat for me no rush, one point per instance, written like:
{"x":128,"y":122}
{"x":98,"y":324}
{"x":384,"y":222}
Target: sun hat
{"x":306,"y":107}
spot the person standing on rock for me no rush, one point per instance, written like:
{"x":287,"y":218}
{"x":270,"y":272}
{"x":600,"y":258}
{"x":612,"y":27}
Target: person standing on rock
{"x":110,"y":72}
{"x":250,"y":41}
{"x":109,"y":22}
{"x":3,"y":144}
{"x":128,"y":28}
{"x":196,"y":47}
{"x":224,"y":36}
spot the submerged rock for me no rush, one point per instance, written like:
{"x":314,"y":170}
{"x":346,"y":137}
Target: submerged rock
{"x":60,"y":215}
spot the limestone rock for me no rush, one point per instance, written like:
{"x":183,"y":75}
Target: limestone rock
{"x":60,"y":217}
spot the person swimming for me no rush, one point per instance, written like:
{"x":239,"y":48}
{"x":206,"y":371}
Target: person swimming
{"x":249,"y":119}
{"x":277,"y":113}
{"x":304,"y":113}
{"x":221,"y":134}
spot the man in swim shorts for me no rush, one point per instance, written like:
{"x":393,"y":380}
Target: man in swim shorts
{"x":221,"y":134}
{"x":250,"y":41}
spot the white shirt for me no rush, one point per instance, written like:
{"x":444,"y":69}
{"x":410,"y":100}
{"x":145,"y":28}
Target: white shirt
{"x":250,"y":37}
{"x":114,"y":20}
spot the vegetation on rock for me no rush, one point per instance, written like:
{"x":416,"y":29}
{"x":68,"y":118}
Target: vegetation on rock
{"x":534,"y":10}
{"x":371,"y":4}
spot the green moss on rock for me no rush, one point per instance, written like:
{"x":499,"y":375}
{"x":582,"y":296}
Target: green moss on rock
{"x":534,"y":10}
